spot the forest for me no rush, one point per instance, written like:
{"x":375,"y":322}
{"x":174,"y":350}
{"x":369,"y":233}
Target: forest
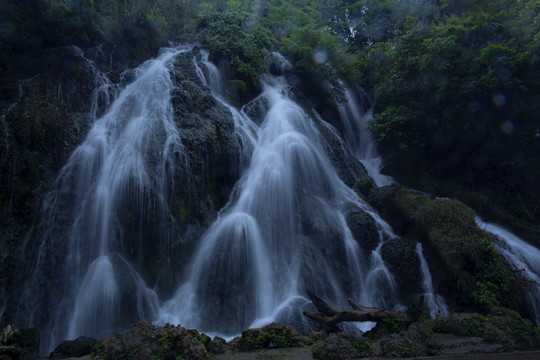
{"x":454,"y":83}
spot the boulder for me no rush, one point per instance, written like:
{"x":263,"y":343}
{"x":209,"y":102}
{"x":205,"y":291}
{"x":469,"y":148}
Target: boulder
{"x":273,"y":335}
{"x":74,"y":348}
{"x":460,"y":255}
{"x":400,"y":258}
{"x":145,"y":342}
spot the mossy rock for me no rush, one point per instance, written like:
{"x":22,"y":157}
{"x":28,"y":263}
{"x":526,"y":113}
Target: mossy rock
{"x":270,"y":336}
{"x":400,"y":258}
{"x":462,"y":259}
{"x":502,"y":326}
{"x":363,"y":228}
{"x":342,"y":346}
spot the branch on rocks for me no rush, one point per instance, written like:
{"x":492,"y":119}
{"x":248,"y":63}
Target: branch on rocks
{"x":329,"y":316}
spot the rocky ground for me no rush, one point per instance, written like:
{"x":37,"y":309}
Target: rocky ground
{"x":499,"y":335}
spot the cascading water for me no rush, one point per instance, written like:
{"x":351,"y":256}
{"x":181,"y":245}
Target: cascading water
{"x":354,"y":121}
{"x":126,"y":162}
{"x":435,"y":302}
{"x":283,"y":232}
{"x":244,"y":127}
{"x":522,"y":256}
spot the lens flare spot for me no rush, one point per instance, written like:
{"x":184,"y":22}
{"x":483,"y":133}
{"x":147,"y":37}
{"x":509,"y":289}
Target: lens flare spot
{"x":320,"y":57}
{"x":508,"y":127}
{"x":499,"y":99}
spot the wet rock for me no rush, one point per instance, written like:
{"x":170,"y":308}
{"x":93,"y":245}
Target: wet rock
{"x":74,"y":348}
{"x":256,"y":109}
{"x":401,"y":259}
{"x":363,"y":228}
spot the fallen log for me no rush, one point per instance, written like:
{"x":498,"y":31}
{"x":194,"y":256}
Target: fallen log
{"x":329,"y":316}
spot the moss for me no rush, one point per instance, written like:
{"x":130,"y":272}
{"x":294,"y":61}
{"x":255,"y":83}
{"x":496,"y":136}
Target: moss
{"x":317,"y":350}
{"x":363,"y":187}
{"x":402,"y":351}
{"x":468,"y":325}
{"x":270,"y":336}
{"x":364,"y":347}
{"x":165,"y":341}
{"x":203,"y":338}
{"x":394,"y":325}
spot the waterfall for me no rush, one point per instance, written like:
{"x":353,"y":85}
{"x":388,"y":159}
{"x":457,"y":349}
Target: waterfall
{"x":284,"y":231}
{"x":354,"y":120}
{"x":522,"y":256}
{"x":434,"y":302}
{"x":118,"y":179}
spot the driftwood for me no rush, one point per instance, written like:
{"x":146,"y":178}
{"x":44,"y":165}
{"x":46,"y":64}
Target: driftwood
{"x":329,"y":316}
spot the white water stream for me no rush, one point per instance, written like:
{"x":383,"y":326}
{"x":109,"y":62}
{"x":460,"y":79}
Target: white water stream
{"x":355,"y":118}
{"x":126,"y":158}
{"x":435,"y":302}
{"x":257,"y":259}
{"x":522,"y":256}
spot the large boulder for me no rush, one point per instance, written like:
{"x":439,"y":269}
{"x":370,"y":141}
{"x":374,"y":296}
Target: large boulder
{"x":402,"y":261}
{"x":462,"y":259}
{"x":74,"y":348}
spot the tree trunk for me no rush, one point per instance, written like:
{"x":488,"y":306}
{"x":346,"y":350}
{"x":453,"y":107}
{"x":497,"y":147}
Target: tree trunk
{"x":329,"y":316}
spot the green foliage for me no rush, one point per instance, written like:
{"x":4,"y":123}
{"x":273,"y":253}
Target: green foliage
{"x":495,"y":280}
{"x":363,"y":347}
{"x":321,"y":61}
{"x":229,"y":35}
{"x":166,"y":341}
{"x":402,"y":351}
{"x":203,"y":338}
{"x":473,"y":325}
{"x":273,"y":335}
{"x":363,"y":187}
{"x":454,"y":98}
{"x":394,"y":325}
{"x":317,"y":350}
